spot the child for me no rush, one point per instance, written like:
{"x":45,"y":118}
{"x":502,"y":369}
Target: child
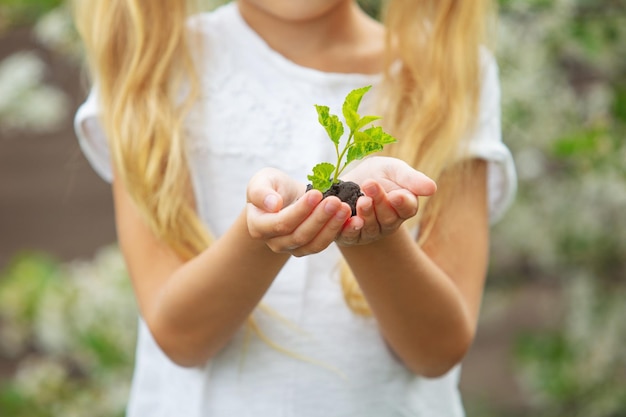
{"x":206,"y":128}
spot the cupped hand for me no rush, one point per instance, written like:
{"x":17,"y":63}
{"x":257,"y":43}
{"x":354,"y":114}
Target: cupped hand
{"x":391,"y":189}
{"x":290,"y":220}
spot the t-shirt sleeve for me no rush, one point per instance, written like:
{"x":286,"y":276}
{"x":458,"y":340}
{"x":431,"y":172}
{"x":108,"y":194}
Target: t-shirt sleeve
{"x":91,"y":137}
{"x":486,"y":143}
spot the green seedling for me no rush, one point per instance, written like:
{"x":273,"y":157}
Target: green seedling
{"x":362,"y":140}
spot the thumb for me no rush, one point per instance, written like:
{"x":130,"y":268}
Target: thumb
{"x":415,"y":181}
{"x":262,"y":191}
{"x":272,"y":202}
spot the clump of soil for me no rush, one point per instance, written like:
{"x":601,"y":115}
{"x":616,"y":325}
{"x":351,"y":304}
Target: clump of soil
{"x":347,"y":191}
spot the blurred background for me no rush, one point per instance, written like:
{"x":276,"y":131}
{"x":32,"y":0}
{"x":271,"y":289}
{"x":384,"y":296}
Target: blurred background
{"x":552,"y":334}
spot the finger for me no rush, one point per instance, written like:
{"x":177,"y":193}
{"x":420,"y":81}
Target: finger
{"x":351,"y":231}
{"x":315,"y":232}
{"x":268,"y":225}
{"x":415,"y":181}
{"x":365,"y":210}
{"x":271,"y":189}
{"x":385,"y":213}
{"x":404,"y":203}
{"x":327,"y":234}
{"x":262,"y":190}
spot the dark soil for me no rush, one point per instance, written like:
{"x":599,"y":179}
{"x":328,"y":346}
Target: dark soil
{"x":347,"y":191}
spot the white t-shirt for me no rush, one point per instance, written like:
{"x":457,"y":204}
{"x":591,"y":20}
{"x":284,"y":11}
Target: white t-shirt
{"x":256,"y":110}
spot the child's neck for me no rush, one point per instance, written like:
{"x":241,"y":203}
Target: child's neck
{"x":343,"y":39}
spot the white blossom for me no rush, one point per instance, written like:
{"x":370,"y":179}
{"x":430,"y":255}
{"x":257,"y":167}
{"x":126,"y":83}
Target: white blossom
{"x":26,"y":101}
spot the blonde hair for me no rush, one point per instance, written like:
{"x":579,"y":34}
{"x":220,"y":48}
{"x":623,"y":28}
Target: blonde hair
{"x":140,"y":54}
{"x":429,"y":96}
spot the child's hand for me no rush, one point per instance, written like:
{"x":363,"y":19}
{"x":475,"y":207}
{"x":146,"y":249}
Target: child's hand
{"x":289,"y":220}
{"x":391,"y":189}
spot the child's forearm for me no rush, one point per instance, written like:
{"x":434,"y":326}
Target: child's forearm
{"x":207,"y":299}
{"x":420,"y":311}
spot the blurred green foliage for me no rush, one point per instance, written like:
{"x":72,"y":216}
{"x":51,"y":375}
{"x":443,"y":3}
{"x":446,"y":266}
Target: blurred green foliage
{"x":69,"y":328}
{"x":15,"y":13}
{"x":580,"y":369}
{"x":564,"y":100}
{"x":563,"y":77}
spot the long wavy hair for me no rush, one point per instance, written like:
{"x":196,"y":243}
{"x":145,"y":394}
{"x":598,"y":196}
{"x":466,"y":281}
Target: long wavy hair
{"x":140,"y":55}
{"x":429,"y":97}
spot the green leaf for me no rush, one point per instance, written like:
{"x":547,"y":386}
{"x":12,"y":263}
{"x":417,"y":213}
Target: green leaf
{"x":361,"y":149}
{"x":360,"y":142}
{"x":365,"y":120}
{"x":378,"y":135}
{"x":331,"y":123}
{"x":321,"y":176}
{"x":361,"y":137}
{"x":351,"y":106}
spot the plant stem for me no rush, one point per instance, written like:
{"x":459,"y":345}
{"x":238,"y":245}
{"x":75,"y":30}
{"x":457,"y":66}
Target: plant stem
{"x":340,"y":158}
{"x":341,"y":170}
{"x":336,"y":174}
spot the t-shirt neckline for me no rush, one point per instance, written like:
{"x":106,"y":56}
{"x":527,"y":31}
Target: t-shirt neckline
{"x":257,"y":44}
